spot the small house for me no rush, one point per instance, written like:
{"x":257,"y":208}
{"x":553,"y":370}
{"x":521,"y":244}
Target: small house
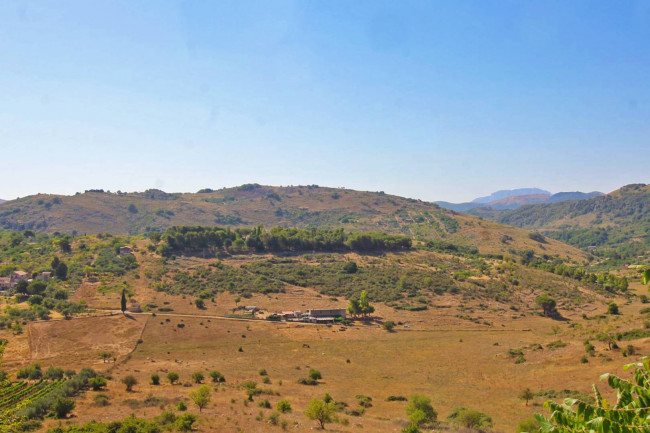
{"x":333,"y":312}
{"x":44,"y":276}
{"x":6,"y":283}
{"x":125,"y":250}
{"x":18,"y":276}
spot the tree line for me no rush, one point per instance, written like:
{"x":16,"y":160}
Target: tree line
{"x":258,"y":239}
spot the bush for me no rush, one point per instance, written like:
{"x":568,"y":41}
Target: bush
{"x":420,"y":411}
{"x":314,"y":374}
{"x":97,"y":383}
{"x":185,"y":422}
{"x":155,"y":379}
{"x":197,"y":377}
{"x":101,"y":400}
{"x":63,"y":406}
{"x":469,"y":418}
{"x":388,"y":326}
{"x":283,"y":406}
{"x":130,"y":382}
{"x":265,"y":404}
{"x":217,"y":376}
{"x":181,"y":406}
{"x":612,"y":308}
{"x":172,"y":377}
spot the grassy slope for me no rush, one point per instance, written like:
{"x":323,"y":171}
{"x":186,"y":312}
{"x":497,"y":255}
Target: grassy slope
{"x":299,"y":206}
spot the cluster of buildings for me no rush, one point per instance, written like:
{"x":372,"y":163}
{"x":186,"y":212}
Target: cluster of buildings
{"x":10,"y":282}
{"x":323,"y":316}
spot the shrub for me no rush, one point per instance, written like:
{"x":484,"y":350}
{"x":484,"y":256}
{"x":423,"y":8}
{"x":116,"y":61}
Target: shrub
{"x":283,"y":406}
{"x":198,"y":377}
{"x":181,"y":406}
{"x":420,"y":411}
{"x":314,"y":374}
{"x":155,"y":379}
{"x":217,"y":376}
{"x":185,"y":422}
{"x":612,"y":308}
{"x":97,"y":383}
{"x":101,"y":400}
{"x":265,"y":404}
{"x":130,"y":382}
{"x":388,"y":326}
{"x":63,"y":406}
{"x":172,"y":377}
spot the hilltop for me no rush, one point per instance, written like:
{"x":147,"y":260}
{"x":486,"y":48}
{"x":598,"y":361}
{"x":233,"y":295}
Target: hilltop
{"x":97,"y":211}
{"x":615,"y":225}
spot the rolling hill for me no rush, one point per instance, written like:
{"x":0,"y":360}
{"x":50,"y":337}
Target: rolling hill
{"x":616,"y":225}
{"x":251,"y":205}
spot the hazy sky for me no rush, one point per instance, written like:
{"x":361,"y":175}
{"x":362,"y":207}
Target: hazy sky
{"x":437,"y":100}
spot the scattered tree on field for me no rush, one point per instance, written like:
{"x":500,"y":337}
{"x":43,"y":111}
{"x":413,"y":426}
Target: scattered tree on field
{"x":548,"y":305}
{"x":172,"y":377}
{"x":319,"y":410}
{"x":527,"y":395}
{"x":198,"y":377}
{"x":420,"y":411}
{"x":130,"y":382}
{"x":201,"y":396}
{"x":123,"y":301}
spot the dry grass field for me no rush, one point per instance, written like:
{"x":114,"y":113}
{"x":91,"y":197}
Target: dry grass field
{"x":455,"y":362}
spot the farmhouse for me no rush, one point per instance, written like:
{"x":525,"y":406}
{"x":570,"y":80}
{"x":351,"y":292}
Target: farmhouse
{"x":44,"y":276}
{"x":18,"y":276}
{"x":125,"y":250}
{"x":321,"y":313}
{"x":6,"y":283}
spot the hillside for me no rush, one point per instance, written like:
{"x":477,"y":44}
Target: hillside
{"x":252,"y":205}
{"x":616,"y":224}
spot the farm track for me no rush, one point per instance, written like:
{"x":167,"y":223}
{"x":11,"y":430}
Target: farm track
{"x":289,"y":324}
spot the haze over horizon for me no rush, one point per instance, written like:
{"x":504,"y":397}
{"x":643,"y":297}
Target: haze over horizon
{"x":431,"y":100}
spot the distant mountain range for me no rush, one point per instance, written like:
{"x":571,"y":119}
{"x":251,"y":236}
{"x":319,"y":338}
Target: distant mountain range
{"x":515,"y":198}
{"x":615,"y":225}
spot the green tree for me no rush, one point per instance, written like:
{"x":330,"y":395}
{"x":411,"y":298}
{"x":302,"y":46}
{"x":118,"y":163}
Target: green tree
{"x":185,"y":422}
{"x":172,"y":377}
{"x":469,"y":418}
{"x":155,"y":237}
{"x":548,"y":305}
{"x":63,"y":406}
{"x":353,"y":307}
{"x":319,"y":410}
{"x":217,"y":376}
{"x":97,"y":383}
{"x":612,"y":308}
{"x":200,"y":304}
{"x":130,"y":382}
{"x":364,"y":304}
{"x":155,"y":379}
{"x":123,"y":301}
{"x":388,"y":326}
{"x":201,"y":396}
{"x":198,"y":377}
{"x":527,"y":395}
{"x":61,"y":271}
{"x":420,"y":411}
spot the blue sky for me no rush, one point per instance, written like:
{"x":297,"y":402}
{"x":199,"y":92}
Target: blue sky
{"x":437,"y":100}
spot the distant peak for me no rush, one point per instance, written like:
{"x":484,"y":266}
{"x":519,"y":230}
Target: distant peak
{"x":505,"y":193}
